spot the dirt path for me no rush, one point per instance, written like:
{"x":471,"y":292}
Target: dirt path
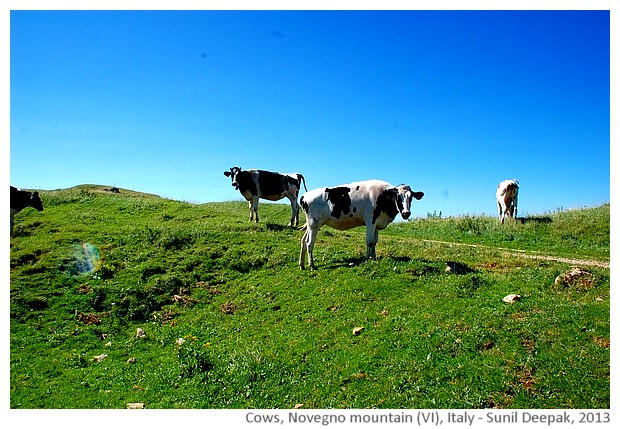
{"x":524,"y":254}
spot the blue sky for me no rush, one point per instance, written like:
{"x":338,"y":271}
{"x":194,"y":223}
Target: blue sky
{"x":450,"y":102}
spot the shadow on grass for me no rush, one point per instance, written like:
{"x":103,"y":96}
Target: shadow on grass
{"x":277,"y":227}
{"x":534,"y":219}
{"x":454,"y":267}
{"x":418,"y":267}
{"x":348,"y":262}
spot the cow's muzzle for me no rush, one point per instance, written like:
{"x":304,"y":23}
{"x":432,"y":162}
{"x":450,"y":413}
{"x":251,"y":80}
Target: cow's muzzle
{"x":405,"y":215}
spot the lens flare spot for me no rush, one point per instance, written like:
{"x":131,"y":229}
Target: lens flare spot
{"x":85,"y":259}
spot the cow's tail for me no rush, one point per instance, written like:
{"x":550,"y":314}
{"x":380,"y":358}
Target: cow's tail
{"x":303,"y":180}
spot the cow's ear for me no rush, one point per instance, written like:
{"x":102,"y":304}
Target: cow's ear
{"x":227,"y":173}
{"x":418,"y":195}
{"x":35,"y":194}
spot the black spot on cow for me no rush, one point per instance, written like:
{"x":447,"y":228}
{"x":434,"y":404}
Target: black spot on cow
{"x":304,"y":204}
{"x":388,"y":203}
{"x":271,"y":183}
{"x":340,"y":199}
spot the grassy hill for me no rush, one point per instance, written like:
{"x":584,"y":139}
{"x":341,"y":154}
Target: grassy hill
{"x":130,"y":298}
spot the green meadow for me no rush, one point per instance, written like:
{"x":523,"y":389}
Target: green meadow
{"x":127,"y":298}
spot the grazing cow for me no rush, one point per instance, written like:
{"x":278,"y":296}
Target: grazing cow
{"x":256,"y":184}
{"x":372,"y":203}
{"x":507,"y":193}
{"x":22,"y":199}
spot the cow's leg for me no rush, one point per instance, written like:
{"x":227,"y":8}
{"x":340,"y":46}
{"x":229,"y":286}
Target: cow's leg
{"x":307,"y":245}
{"x":295,"y":210}
{"x":514,"y":209}
{"x":254,"y":209}
{"x":372,"y":236}
{"x":251,"y":211}
{"x":502,"y":212}
{"x":499,"y":211}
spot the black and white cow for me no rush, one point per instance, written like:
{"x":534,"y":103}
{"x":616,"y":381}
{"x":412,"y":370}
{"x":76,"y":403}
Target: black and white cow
{"x":507,"y":194}
{"x":256,"y":184}
{"x":22,"y":199}
{"x":373,"y":203}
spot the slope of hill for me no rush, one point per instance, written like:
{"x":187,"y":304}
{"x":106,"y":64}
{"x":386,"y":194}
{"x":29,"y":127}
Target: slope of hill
{"x":131,"y":298}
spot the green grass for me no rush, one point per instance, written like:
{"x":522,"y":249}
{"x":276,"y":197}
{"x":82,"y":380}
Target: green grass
{"x":231,"y":322}
{"x":580,"y":234}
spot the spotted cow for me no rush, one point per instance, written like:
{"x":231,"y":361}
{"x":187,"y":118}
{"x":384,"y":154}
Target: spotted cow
{"x":507,"y":193}
{"x":373,"y":203}
{"x":22,"y":199}
{"x":256,"y":184}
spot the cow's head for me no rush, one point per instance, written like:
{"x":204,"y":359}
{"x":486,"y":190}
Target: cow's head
{"x":233,"y":173}
{"x":35,"y":201}
{"x":404,"y":198}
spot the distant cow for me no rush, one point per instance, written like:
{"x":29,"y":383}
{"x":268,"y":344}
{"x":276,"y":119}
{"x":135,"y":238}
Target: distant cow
{"x":256,"y":184}
{"x":507,"y":193}
{"x":372,"y":203}
{"x":22,"y":199}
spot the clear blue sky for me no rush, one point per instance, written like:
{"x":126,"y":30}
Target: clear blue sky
{"x":450,"y":102}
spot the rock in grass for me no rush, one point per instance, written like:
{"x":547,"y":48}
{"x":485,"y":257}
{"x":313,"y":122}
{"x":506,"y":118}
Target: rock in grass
{"x":575,"y":277}
{"x":358,"y":330}
{"x":135,"y":406}
{"x":140,"y":333}
{"x":513,"y":297}
{"x":100,"y":357}
{"x":229,"y":308}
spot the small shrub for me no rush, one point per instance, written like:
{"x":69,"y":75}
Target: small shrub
{"x":138,"y":303}
{"x":150,"y":269}
{"x":471,"y":225}
{"x":78,"y":360}
{"x":246,"y":264}
{"x":33,"y":302}
{"x":98,"y":299}
{"x":467,"y":285}
{"x":169,"y":284}
{"x":194,"y":357}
